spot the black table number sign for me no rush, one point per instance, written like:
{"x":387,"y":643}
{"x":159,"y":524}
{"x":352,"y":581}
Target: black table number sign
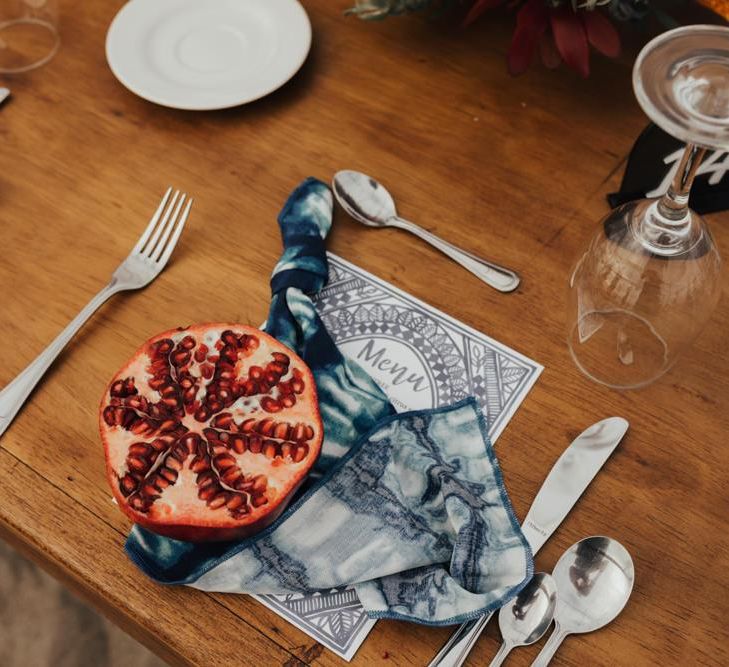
{"x":653,"y":162}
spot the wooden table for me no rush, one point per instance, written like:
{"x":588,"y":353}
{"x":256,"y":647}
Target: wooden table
{"x":515,"y":169}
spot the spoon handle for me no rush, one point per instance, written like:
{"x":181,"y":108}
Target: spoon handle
{"x":500,"y":656}
{"x":550,"y":648}
{"x":492,"y":274}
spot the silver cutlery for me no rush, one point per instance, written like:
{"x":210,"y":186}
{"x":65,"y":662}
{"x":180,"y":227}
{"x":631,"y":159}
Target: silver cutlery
{"x":566,"y":482}
{"x":4,"y":94}
{"x":141,"y":267}
{"x":368,"y":202}
{"x":594,"y":581}
{"x":526,"y":618}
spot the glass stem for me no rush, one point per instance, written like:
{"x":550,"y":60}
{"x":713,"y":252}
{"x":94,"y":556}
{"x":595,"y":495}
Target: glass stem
{"x":673,"y":206}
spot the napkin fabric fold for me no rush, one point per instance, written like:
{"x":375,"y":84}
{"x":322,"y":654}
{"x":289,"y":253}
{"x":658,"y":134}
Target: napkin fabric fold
{"x":410,"y":509}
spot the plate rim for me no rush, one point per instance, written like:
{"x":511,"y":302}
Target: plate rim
{"x":151,"y":96}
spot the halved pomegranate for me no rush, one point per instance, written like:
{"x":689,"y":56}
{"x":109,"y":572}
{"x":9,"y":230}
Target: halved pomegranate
{"x":209,"y":431}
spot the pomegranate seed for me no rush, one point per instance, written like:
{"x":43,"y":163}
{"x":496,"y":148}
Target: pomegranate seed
{"x":199,"y":465}
{"x":224,"y":461}
{"x":206,"y":479}
{"x":300,"y":453}
{"x":278,"y":369}
{"x":265,"y":427}
{"x":247,"y":425}
{"x":201,"y":353}
{"x":270,"y":404}
{"x":232,"y":475}
{"x":229,"y":338}
{"x":140,"y":449}
{"x":223,"y":420}
{"x":190,"y":442}
{"x":269,"y":449}
{"x":218,"y":501}
{"x":161,"y":483}
{"x":203,"y":414}
{"x":208,"y":492}
{"x":235,"y":501}
{"x":207,"y":371}
{"x":257,"y":501}
{"x":109,"y":415}
{"x":127,"y":484}
{"x":255,"y":444}
{"x":149,"y":490}
{"x":136,"y":464}
{"x":288,"y":401}
{"x":174,"y":464}
{"x":281,"y":431}
{"x":238,"y":443}
{"x":187,"y":343}
{"x":287,"y":449}
{"x":169,"y":474}
{"x":260,"y":482}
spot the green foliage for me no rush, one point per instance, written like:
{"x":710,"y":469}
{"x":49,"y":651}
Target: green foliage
{"x":380,"y":9}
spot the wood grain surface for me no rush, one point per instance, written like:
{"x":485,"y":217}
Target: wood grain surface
{"x":514,"y":169}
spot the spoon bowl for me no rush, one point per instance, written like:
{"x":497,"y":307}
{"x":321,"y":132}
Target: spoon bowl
{"x":528,"y":616}
{"x":364,"y":199}
{"x":594,"y":580}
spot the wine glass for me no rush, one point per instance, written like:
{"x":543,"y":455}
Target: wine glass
{"x":28,"y":34}
{"x":649,"y":280}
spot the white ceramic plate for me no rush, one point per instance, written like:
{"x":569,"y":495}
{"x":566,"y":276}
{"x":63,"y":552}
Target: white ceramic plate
{"x":207,"y":54}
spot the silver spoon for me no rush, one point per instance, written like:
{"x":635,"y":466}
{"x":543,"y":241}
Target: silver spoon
{"x":526,"y":619}
{"x":594,"y":580}
{"x":371,"y":204}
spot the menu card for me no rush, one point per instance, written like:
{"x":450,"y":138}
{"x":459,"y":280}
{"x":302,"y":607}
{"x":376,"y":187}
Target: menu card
{"x":421,"y":358}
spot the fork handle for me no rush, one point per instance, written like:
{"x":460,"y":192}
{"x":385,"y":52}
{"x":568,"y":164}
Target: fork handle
{"x":14,"y":395}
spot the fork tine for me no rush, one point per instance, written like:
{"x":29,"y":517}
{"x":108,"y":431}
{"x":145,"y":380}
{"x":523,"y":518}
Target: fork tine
{"x":178,"y":230}
{"x":156,"y":251}
{"x":149,"y":246}
{"x":143,"y":239}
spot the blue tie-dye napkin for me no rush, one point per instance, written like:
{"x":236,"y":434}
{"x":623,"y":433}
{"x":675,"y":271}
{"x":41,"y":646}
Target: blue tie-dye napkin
{"x":410,"y":508}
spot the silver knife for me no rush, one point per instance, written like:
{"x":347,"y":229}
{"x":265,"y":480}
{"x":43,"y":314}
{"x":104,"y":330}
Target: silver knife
{"x":4,"y":93}
{"x":564,"y":485}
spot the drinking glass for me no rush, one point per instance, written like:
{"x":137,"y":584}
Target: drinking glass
{"x":28,"y":34}
{"x":649,"y":280}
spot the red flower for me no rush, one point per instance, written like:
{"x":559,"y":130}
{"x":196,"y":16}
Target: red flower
{"x":560,"y":34}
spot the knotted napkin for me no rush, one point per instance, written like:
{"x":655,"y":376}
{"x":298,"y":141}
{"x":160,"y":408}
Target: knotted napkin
{"x":410,"y":509}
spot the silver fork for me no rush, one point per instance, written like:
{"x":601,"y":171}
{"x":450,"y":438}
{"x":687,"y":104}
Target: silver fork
{"x":144,"y":263}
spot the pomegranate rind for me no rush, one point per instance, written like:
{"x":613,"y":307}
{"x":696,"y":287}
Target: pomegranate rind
{"x":178,"y":512}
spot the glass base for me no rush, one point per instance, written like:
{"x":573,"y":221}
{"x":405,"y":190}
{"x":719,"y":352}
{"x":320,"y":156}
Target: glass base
{"x":26,"y":43}
{"x":681,"y":79}
{"x":640,"y":353}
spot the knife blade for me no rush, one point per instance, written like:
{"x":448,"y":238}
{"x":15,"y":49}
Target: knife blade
{"x":4,"y":93}
{"x":565,"y":483}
